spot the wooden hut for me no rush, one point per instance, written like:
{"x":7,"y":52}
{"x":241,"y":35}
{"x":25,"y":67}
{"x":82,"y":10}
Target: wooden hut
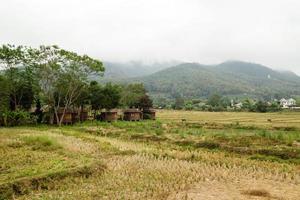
{"x":68,"y":116}
{"x":132,"y":115}
{"x":149,"y":114}
{"x":75,"y":117}
{"x":109,"y":116}
{"x":84,"y":115}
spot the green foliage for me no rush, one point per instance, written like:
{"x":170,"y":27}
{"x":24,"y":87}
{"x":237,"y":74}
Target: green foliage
{"x":179,"y":103}
{"x":112,"y":96}
{"x":193,"y":80}
{"x":16,"y":118}
{"x":11,"y":55}
{"x":214,"y":100}
{"x":4,"y":94}
{"x":44,"y":143}
{"x":188,"y":105}
{"x":261,"y":106}
{"x":144,"y":102}
{"x":107,"y":96}
{"x":131,"y":94}
{"x":249,"y":105}
{"x":22,"y":87}
{"x":63,"y":75}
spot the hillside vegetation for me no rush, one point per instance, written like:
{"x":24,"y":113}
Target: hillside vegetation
{"x":233,"y":78}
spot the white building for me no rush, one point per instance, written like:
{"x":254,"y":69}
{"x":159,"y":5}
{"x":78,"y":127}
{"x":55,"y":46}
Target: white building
{"x":237,"y":105}
{"x":288,"y":103}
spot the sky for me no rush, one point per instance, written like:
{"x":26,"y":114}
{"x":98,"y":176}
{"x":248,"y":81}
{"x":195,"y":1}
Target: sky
{"x":204,"y":31}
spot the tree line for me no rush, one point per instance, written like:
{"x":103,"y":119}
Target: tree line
{"x":59,"y":79}
{"x":217,"y":103}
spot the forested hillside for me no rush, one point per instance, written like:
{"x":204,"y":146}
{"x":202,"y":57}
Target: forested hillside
{"x":234,"y":78}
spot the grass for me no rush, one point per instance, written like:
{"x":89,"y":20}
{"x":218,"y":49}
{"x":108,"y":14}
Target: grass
{"x":281,"y":120}
{"x":163,"y":159}
{"x":42,"y":142}
{"x":27,"y":154}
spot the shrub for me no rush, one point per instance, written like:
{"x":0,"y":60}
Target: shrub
{"x":16,"y":118}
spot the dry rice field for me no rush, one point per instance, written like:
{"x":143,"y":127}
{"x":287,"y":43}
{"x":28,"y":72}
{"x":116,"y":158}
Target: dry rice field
{"x":207,"y":156}
{"x":281,"y":119}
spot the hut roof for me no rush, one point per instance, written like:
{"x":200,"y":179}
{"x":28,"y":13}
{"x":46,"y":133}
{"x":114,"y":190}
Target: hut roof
{"x":132,"y":110}
{"x":111,"y":111}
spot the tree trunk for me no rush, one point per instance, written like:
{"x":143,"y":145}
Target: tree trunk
{"x":62,"y":116}
{"x":56,"y":116}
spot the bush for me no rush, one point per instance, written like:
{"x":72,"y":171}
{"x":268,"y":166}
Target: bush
{"x":16,"y":118}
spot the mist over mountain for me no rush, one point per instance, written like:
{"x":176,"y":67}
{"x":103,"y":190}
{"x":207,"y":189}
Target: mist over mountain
{"x":115,"y":70}
{"x":194,"y":80}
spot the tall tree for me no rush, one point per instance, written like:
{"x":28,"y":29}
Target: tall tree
{"x":214,"y":100}
{"x":112,"y":96}
{"x":14,"y":60}
{"x":63,"y":75}
{"x":104,"y":97}
{"x":4,"y":95}
{"x":144,"y":102}
{"x":179,"y":103}
{"x":131,"y":94}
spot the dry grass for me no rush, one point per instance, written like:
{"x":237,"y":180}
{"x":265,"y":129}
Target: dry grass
{"x":284,"y":119}
{"x":29,"y":156}
{"x":145,"y":160}
{"x":163,"y":173}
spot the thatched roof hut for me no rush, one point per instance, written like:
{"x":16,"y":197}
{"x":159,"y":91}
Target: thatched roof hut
{"x":109,"y":116}
{"x":69,"y":116}
{"x":149,"y":114}
{"x":84,"y":115}
{"x":132,"y":115}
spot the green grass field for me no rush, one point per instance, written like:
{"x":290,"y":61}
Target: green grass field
{"x":204,"y":156}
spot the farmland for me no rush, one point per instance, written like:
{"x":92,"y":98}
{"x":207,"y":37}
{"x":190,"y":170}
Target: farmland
{"x":181,"y":155}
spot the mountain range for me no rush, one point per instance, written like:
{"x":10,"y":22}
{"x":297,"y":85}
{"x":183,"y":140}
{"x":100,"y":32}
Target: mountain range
{"x":194,"y":80}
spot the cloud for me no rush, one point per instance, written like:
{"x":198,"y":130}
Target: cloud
{"x":205,"y":31}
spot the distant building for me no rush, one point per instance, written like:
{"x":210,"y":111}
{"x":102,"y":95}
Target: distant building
{"x":237,"y":105}
{"x":287,"y":103}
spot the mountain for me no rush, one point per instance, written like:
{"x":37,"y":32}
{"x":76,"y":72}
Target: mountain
{"x":193,"y":80}
{"x":117,"y":70}
{"x":232,"y":78}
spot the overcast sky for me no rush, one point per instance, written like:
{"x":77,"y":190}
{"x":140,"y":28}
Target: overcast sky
{"x":204,"y":31}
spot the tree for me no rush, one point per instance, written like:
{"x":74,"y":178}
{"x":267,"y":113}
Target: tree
{"x":214,"y":100}
{"x":95,"y":96}
{"x":274,"y":107}
{"x":22,"y":88}
{"x":144,"y":102}
{"x":4,"y":95}
{"x":62,"y":76}
{"x":179,"y":103}
{"x":189,"y":105}
{"x":225,"y":102}
{"x":261,"y":106}
{"x":15,"y":60}
{"x":104,"y":97}
{"x":112,"y":96}
{"x":161,"y":102}
{"x":248,"y":105}
{"x":38,"y":111}
{"x":131,"y":94}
